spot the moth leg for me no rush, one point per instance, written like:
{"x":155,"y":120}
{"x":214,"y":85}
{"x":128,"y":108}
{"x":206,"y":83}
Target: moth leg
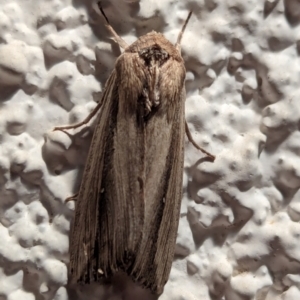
{"x":178,"y":43}
{"x":187,"y":131}
{"x":117,"y":38}
{"x":85,"y":121}
{"x":72,"y":198}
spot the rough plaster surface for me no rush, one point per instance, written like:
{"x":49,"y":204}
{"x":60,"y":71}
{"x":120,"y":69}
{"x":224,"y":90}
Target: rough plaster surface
{"x":239,"y":233}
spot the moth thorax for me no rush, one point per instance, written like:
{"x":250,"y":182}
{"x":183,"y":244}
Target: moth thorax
{"x":154,"y":55}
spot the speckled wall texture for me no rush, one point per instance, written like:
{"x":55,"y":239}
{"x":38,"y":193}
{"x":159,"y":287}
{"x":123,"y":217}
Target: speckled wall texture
{"x":239,"y":232}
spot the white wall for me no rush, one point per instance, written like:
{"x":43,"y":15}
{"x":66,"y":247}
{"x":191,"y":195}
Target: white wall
{"x":239,"y":229}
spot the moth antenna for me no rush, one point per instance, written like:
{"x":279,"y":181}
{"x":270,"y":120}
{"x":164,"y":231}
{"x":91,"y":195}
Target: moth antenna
{"x":116,"y":37}
{"x":177,"y":45}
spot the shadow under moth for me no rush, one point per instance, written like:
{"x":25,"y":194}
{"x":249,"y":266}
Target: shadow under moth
{"x":128,"y":205}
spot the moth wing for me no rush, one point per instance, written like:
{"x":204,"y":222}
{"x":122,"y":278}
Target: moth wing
{"x":143,"y":185}
{"x":163,"y":194}
{"x":85,"y":227}
{"x":128,"y":206}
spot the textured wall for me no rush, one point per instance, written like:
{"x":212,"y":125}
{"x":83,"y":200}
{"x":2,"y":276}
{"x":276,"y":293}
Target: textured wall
{"x":239,"y":231}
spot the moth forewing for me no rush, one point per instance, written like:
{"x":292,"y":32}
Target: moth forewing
{"x":128,"y":205}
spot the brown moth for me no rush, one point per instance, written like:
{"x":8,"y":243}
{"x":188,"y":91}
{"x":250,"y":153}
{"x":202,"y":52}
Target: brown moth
{"x":128,"y":205}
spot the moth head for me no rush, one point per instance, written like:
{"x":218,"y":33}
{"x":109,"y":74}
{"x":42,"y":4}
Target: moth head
{"x":154,"y":49}
{"x":154,"y":54}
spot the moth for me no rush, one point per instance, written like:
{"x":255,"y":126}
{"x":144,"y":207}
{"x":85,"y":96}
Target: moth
{"x":128,"y":205}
